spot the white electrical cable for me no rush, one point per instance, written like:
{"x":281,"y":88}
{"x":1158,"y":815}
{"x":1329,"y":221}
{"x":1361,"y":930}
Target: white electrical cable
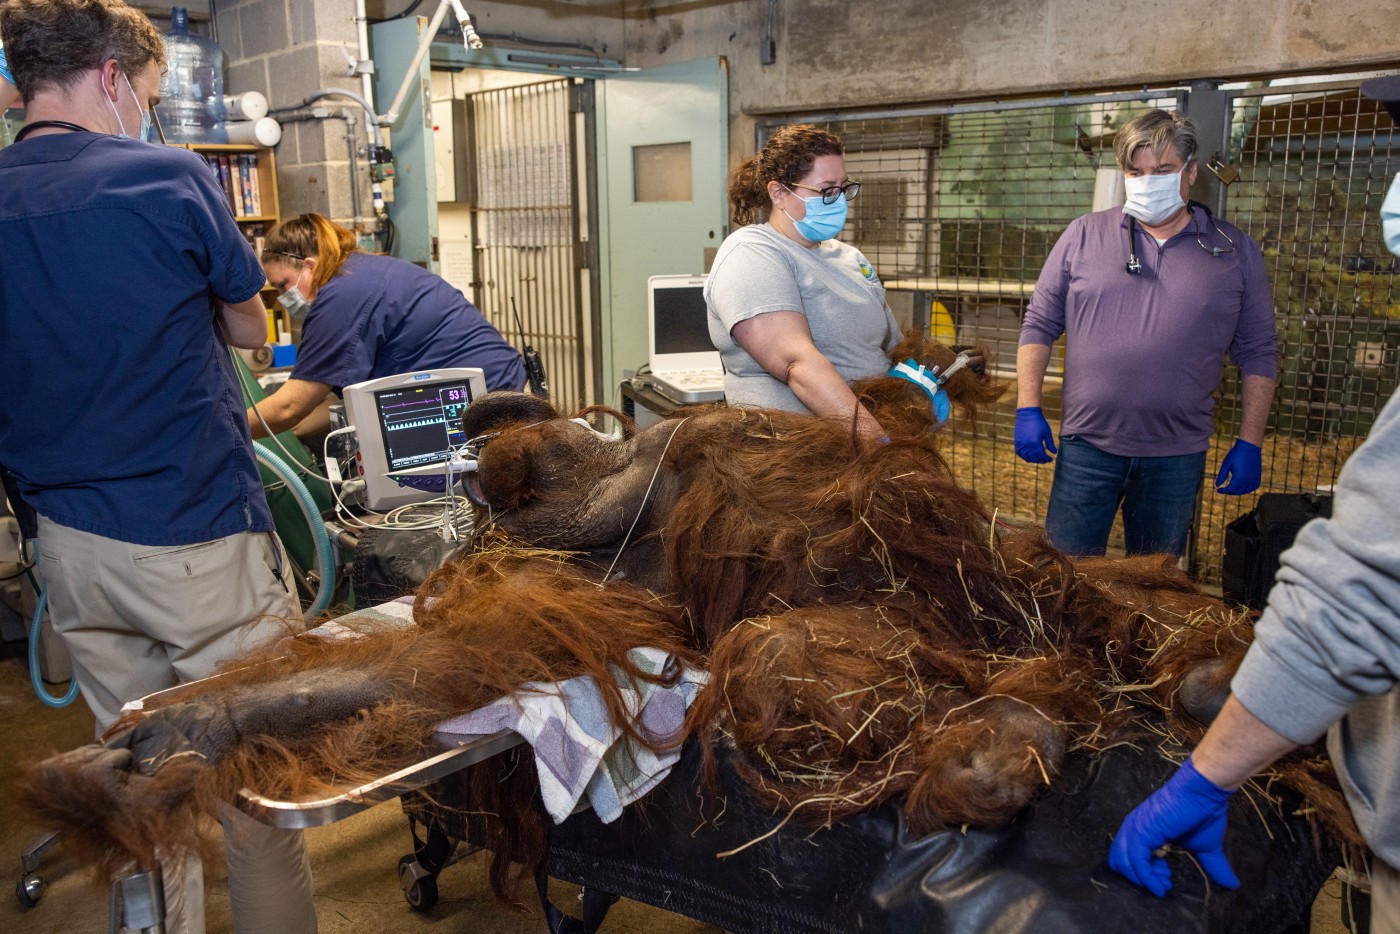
{"x":342,"y":510}
{"x":271,"y":435}
{"x":450,"y":514}
{"x":469,"y":37}
{"x":646,"y":495}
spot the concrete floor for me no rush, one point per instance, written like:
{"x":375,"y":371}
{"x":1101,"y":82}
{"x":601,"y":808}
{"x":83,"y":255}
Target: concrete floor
{"x":354,"y":861}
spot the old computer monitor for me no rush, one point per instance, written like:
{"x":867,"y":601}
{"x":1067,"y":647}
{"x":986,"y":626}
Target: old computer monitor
{"x":405,"y":425}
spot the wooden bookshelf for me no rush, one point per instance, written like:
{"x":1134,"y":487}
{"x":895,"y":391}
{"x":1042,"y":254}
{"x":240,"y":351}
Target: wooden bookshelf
{"x":248,"y":175}
{"x":257,"y":213}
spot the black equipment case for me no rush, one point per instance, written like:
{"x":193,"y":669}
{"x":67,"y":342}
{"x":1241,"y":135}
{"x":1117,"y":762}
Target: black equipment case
{"x":1254,"y":542}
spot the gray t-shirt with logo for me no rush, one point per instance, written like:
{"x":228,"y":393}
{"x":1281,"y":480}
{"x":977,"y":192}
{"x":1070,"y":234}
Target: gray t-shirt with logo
{"x":758,"y":270}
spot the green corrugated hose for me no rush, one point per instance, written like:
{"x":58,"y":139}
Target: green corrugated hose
{"x":296,"y":535}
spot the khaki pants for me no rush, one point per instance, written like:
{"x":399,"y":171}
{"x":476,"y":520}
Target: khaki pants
{"x":1385,"y":898}
{"x":139,"y":619}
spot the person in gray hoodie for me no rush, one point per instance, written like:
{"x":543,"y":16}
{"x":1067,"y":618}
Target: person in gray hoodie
{"x":1326,"y":657}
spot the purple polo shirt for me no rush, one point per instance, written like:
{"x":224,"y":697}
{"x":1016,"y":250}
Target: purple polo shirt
{"x":1145,"y":353}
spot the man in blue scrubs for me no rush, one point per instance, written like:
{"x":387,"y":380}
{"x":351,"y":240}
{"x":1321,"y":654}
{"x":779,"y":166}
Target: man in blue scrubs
{"x":121,"y":423}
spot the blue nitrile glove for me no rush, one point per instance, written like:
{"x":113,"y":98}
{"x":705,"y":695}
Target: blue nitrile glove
{"x":1188,"y":810}
{"x":942,"y":408}
{"x":1033,"y":436}
{"x":5,"y":67}
{"x":1244,"y":465}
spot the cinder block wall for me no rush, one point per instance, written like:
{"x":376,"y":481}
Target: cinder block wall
{"x":830,"y":54}
{"x":287,"y":49}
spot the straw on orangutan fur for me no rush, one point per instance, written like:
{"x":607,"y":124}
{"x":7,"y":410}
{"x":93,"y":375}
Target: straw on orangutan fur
{"x":884,"y":538}
{"x":872,"y":632}
{"x":486,"y":626}
{"x":839,"y":708}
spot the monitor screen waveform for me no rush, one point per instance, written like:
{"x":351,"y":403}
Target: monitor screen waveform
{"x":420,"y":424}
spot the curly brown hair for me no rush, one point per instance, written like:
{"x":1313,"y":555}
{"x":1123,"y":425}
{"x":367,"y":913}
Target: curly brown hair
{"x":50,"y":43}
{"x":786,"y":157}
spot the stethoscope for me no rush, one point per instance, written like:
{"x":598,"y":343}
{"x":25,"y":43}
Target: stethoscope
{"x":1135,"y":266}
{"x":49,"y":124}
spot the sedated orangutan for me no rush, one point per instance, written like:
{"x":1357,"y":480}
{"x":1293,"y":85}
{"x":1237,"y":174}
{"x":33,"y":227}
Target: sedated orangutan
{"x":872,"y":631}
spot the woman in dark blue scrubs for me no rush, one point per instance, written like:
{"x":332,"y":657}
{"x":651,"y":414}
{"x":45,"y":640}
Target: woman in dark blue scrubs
{"x":368,"y":316}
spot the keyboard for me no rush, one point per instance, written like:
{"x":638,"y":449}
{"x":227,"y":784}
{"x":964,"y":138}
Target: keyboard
{"x":690,"y":385}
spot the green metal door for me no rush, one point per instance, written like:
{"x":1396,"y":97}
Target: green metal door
{"x":663,"y":165}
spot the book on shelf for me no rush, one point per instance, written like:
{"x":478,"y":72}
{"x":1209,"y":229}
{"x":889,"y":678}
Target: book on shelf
{"x":256,"y":235}
{"x":257,"y":185}
{"x":238,"y":177}
{"x":226,"y":176}
{"x":245,"y":184}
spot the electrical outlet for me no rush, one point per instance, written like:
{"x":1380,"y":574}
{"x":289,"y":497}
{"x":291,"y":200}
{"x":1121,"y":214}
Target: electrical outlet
{"x":1370,"y":353}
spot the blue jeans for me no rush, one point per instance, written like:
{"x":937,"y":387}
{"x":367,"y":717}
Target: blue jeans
{"x":1158,"y":496}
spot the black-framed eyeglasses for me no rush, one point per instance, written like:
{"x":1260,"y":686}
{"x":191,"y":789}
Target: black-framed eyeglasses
{"x":829,"y":195}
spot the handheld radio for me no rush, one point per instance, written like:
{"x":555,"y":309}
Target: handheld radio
{"x":534,"y":366}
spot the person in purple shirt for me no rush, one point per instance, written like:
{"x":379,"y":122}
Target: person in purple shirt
{"x":1325,"y":658}
{"x":367,"y":316}
{"x":1150,"y":300}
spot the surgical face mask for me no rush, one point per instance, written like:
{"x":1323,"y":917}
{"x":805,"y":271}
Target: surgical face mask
{"x":1390,"y":217}
{"x":1153,"y":198}
{"x":822,"y":221}
{"x":145,"y":129}
{"x":296,"y":304}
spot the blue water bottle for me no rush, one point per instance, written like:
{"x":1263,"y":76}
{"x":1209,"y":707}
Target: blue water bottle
{"x":191,"y":107}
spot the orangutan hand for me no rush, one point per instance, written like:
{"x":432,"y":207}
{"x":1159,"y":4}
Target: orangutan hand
{"x":194,"y":728}
{"x":976,"y":362}
{"x":110,"y":767}
{"x":103,"y":777}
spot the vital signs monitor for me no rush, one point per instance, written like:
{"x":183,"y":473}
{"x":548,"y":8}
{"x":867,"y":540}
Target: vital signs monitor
{"x":406,"y":426}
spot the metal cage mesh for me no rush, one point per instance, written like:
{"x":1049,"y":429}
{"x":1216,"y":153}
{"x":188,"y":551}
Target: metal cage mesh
{"x":525,"y":216}
{"x":960,"y":206}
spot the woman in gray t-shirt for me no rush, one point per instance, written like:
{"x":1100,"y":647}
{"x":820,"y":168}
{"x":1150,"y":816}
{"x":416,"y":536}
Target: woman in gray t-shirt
{"x":797,"y":315}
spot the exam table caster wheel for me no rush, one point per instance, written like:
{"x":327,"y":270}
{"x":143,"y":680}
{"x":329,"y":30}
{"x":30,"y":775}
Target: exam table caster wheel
{"x":419,"y":886}
{"x":29,"y":889}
